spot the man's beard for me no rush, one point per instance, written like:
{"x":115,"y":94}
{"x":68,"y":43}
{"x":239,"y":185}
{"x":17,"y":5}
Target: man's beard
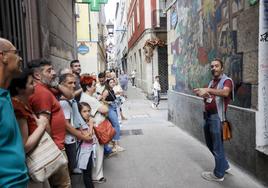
{"x":53,"y":83}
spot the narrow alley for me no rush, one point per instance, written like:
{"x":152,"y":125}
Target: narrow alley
{"x":67,"y":67}
{"x":159,"y":154}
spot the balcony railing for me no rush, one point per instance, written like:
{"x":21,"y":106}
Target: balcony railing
{"x":159,"y":19}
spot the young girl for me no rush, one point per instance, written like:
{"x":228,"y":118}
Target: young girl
{"x":86,"y":153}
{"x":156,"y":91}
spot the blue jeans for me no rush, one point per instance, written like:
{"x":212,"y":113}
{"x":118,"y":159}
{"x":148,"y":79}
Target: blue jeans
{"x":113,"y":117}
{"x":156,"y":98}
{"x":213,"y":136}
{"x":107,"y":149}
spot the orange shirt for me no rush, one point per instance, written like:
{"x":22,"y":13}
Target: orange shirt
{"x":44,"y":101}
{"x":23,"y":111}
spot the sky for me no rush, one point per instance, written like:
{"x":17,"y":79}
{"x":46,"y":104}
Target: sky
{"x":110,"y":10}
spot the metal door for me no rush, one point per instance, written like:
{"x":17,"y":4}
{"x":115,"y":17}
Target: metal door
{"x":12,"y":24}
{"x":163,"y":68}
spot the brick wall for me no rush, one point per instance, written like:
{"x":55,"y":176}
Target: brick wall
{"x":138,"y":28}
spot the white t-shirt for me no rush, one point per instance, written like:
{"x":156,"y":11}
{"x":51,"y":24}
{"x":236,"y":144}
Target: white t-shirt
{"x":156,"y":88}
{"x":68,"y":114}
{"x":100,"y":88}
{"x":95,"y":105}
{"x":117,"y":88}
{"x":133,"y":74}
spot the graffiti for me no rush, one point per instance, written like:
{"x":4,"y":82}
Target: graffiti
{"x":45,"y":41}
{"x":264,"y":37}
{"x":206,"y":29}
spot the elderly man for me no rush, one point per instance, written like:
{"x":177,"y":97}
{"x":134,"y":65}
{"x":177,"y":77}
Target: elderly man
{"x":13,"y":170}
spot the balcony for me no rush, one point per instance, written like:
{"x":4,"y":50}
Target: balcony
{"x":159,"y":19}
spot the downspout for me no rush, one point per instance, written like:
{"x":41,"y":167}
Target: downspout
{"x":262,"y":113}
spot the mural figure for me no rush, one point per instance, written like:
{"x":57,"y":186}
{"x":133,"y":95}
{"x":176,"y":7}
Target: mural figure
{"x":205,"y":30}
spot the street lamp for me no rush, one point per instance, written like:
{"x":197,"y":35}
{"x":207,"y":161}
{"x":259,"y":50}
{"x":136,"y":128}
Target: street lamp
{"x":110,"y":28}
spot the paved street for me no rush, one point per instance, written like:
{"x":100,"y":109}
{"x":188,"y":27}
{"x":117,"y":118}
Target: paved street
{"x":160,"y":155}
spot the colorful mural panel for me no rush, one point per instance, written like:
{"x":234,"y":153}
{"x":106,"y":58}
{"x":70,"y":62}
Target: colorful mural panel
{"x":206,"y":29}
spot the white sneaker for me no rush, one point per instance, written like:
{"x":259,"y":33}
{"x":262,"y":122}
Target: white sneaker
{"x":211,"y":177}
{"x":153,"y":106}
{"x":228,"y":170}
{"x":120,"y":149}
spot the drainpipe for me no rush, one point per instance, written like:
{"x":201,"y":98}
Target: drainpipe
{"x":262,"y":113}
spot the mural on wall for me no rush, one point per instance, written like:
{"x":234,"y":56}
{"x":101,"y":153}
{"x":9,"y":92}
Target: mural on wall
{"x":206,"y":29}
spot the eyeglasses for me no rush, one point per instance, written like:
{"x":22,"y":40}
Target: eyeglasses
{"x":7,"y":51}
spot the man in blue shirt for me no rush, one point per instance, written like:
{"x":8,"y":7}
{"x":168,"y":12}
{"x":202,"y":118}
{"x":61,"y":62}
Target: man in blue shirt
{"x":13,"y":170}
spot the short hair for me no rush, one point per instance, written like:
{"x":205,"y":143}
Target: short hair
{"x":65,"y":70}
{"x":19,"y":82}
{"x":101,"y":75}
{"x":219,"y":60}
{"x":38,"y":63}
{"x":4,"y":44}
{"x":86,"y":80}
{"x":73,"y":62}
{"x":63,"y":77}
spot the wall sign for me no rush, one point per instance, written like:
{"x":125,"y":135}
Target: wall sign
{"x":83,"y":49}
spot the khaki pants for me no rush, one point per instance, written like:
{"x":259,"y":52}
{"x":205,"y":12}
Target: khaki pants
{"x":97,"y":170}
{"x":61,"y":178}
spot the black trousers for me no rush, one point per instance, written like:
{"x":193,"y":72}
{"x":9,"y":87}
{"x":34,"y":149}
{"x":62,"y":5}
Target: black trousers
{"x":87,"y":174}
{"x":133,"y":81}
{"x":71,"y":155}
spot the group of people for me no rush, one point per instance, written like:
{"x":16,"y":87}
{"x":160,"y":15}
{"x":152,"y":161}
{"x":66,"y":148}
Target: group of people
{"x":67,"y":106}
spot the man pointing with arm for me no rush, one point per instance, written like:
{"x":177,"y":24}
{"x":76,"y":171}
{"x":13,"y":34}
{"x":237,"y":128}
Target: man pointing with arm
{"x":216,"y":98}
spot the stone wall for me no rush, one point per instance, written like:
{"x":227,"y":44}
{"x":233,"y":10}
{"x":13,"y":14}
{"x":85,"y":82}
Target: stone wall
{"x":186,"y":112}
{"x":57,"y":31}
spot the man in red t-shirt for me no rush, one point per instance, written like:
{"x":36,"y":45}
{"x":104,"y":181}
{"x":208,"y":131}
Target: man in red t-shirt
{"x":216,"y":98}
{"x":44,"y":103}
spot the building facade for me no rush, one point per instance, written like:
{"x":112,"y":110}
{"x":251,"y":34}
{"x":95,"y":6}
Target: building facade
{"x":147,"y":51}
{"x":120,"y":34}
{"x":198,"y":31}
{"x":40,"y":29}
{"x":91,"y":38}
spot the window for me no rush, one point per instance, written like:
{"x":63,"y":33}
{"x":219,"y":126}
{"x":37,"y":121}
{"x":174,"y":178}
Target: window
{"x":138,"y":12}
{"x":133,"y":23}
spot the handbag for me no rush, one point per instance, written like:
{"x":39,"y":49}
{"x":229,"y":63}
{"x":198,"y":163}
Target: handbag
{"x":226,"y":130}
{"x":45,"y":159}
{"x":104,"y":132}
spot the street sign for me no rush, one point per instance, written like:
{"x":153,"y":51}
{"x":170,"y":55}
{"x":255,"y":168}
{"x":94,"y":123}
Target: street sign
{"x":94,"y":4}
{"x":83,"y":49}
